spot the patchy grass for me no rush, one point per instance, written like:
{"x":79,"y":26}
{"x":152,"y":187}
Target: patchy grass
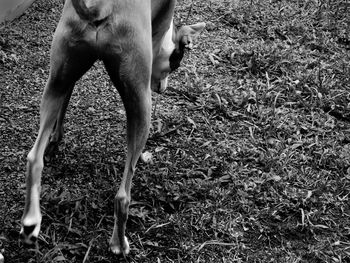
{"x":251,"y":145}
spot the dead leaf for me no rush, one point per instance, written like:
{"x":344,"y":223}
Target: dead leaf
{"x":146,"y":157}
{"x":192,"y":122}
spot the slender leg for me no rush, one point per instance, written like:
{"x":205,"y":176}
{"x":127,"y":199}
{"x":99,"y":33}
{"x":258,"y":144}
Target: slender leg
{"x":67,"y":66}
{"x":138,"y":123}
{"x":134,"y":88}
{"x":139,"y":118}
{"x":58,"y":131}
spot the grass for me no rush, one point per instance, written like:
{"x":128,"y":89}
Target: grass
{"x":250,"y":144}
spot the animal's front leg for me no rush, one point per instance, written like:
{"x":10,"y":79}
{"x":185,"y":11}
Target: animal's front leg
{"x":58,"y":131}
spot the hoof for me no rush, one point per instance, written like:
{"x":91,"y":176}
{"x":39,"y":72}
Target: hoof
{"x":119,"y":250}
{"x":28,"y":236}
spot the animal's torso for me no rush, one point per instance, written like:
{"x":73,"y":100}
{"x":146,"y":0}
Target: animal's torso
{"x":114,"y":24}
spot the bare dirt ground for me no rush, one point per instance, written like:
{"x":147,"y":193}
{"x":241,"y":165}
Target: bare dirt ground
{"x":250,"y":144}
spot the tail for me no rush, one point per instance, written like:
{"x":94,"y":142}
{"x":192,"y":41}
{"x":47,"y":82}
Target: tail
{"x":90,"y":14}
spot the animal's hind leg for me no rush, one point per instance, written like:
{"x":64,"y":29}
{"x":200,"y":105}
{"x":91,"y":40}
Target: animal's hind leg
{"x":134,"y":88}
{"x":138,"y":110}
{"x":51,"y":103}
{"x":67,"y":66}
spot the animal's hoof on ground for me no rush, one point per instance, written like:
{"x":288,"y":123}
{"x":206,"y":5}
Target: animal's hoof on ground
{"x":118,"y":249}
{"x":27,"y":235}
